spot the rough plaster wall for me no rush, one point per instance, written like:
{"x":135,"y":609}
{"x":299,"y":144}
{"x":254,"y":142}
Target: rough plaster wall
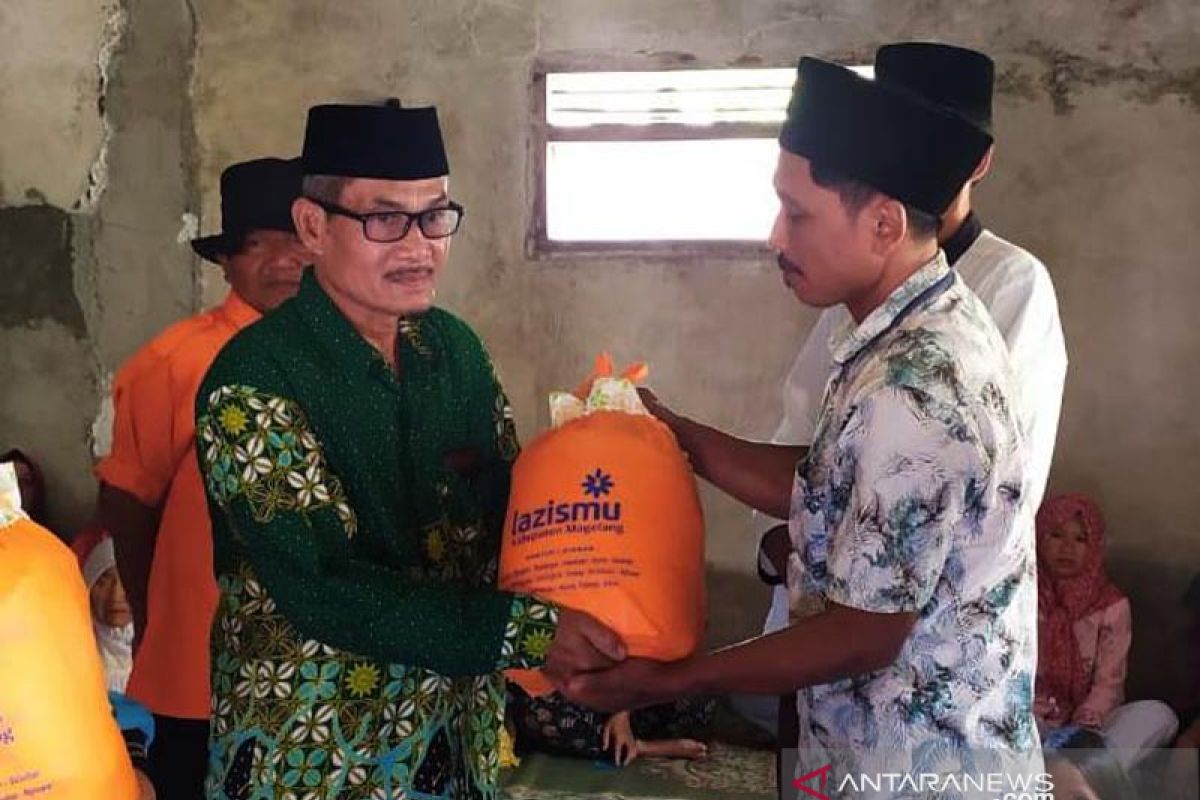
{"x":53,"y":133}
{"x":48,"y":98}
{"x":1108,"y":196}
{"x":144,"y":273}
{"x":1098,"y":120}
{"x":95,"y":110}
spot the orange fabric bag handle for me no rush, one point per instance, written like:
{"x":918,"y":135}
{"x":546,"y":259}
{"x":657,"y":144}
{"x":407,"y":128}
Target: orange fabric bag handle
{"x":604,"y":368}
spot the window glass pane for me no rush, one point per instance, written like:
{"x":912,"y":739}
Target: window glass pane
{"x":689,"y":97}
{"x":629,"y":188}
{"x":719,"y":189}
{"x":682,"y":97}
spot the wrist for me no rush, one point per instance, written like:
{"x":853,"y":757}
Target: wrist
{"x":669,"y":418}
{"x":685,"y":431}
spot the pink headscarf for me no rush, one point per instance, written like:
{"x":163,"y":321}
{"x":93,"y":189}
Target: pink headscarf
{"x":1064,"y":601}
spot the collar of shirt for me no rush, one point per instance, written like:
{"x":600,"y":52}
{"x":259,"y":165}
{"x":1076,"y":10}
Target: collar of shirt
{"x":237,"y":311}
{"x":963,"y":238}
{"x":847,"y":340}
{"x":353,"y":354}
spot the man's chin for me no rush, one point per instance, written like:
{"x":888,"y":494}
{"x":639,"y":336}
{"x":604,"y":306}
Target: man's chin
{"x":808,"y":298}
{"x":411,"y":303}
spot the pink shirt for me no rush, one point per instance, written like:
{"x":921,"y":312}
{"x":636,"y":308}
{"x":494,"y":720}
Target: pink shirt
{"x":1104,"y":639}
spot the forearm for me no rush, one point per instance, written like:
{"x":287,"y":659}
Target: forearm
{"x":134,"y":530}
{"x":756,"y":473}
{"x":839,"y":643}
{"x":1101,"y":701}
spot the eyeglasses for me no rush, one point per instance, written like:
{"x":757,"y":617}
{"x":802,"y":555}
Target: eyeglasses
{"x":392,"y":226}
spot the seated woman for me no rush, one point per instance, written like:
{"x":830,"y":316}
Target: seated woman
{"x":112,"y":618}
{"x":554,"y":725}
{"x":1084,"y":633}
{"x":1083,"y":768}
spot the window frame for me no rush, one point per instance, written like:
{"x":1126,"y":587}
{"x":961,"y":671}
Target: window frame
{"x":539,"y":246}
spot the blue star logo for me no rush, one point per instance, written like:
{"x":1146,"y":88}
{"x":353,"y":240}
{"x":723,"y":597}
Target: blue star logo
{"x":597,"y":484}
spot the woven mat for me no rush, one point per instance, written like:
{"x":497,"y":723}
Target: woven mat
{"x":729,"y":773}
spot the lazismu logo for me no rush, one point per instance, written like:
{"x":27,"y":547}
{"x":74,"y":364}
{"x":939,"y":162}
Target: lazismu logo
{"x":596,"y":485}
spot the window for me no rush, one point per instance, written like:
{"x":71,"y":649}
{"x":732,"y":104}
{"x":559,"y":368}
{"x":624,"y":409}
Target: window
{"x":676,"y":161}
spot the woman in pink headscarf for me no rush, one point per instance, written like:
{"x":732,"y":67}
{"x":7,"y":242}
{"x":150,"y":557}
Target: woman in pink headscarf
{"x":1084,"y":633}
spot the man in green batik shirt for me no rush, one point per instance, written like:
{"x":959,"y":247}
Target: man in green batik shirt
{"x":356,"y":449}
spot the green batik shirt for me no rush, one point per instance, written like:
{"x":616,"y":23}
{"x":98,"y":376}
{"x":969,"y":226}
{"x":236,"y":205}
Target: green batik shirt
{"x":356,"y":519}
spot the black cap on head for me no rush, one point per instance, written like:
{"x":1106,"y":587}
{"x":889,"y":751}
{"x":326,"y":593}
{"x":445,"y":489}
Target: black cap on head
{"x":954,"y":77}
{"x":255,"y":195}
{"x":380,"y":141}
{"x":891,"y":140}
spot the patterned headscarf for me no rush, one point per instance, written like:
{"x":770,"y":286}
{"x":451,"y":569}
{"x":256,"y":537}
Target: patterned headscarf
{"x":1064,"y":601}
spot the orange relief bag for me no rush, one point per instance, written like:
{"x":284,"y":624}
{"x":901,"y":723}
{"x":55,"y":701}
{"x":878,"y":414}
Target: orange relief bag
{"x":58,"y":738}
{"x":604,"y":517}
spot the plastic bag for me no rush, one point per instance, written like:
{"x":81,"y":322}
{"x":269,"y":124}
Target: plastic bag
{"x":58,"y":738}
{"x":604,"y":517}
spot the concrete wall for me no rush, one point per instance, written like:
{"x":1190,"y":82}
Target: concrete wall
{"x":1098,"y":121}
{"x":95,"y":177}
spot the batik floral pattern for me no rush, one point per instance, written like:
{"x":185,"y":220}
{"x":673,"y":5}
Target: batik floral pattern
{"x":911,"y":500}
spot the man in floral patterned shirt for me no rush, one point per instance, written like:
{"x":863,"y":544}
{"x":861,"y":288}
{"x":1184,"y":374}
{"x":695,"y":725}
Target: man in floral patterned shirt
{"x":911,"y":569}
{"x":356,"y":449}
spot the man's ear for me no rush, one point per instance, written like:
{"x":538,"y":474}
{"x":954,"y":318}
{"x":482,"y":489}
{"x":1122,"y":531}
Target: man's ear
{"x":889,"y":224}
{"x":310,"y":221}
{"x":983,"y":167}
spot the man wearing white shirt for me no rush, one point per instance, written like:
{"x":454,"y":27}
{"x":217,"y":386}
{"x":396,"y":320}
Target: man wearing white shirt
{"x":1012,"y":283}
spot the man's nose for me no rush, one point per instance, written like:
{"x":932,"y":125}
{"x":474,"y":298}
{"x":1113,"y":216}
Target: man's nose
{"x":777,"y":241}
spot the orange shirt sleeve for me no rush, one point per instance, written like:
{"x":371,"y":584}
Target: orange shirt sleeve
{"x":145,"y":453}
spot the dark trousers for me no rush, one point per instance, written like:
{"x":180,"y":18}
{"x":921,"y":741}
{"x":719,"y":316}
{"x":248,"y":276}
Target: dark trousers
{"x":178,"y":759}
{"x":789,"y":733}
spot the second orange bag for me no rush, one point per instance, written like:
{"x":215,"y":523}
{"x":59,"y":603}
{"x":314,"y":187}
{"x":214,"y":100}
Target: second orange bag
{"x":604,"y":517}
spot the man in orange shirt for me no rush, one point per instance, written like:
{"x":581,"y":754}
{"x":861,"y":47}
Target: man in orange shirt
{"x":151,"y":497}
